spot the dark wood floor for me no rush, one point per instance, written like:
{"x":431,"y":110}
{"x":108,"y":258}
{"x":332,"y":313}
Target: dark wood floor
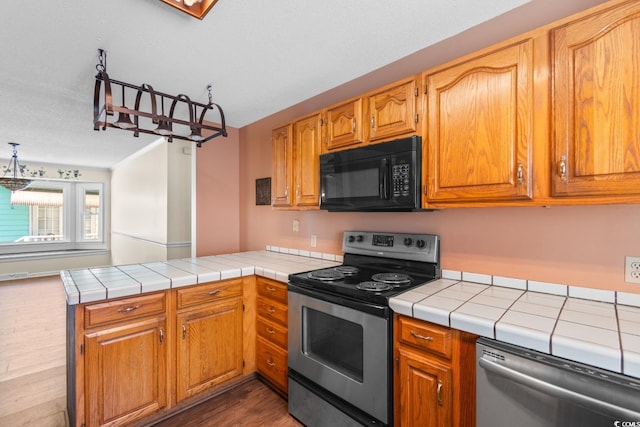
{"x":251,"y":404}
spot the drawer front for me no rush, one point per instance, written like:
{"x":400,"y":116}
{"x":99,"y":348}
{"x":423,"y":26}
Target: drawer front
{"x":209,"y":292}
{"x":273,"y":290}
{"x":124,"y":309}
{"x":271,"y":362}
{"x":433,"y":338}
{"x":272,"y":332}
{"x":272,"y":310}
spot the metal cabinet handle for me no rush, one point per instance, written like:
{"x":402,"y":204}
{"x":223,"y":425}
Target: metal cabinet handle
{"x":520,"y":174}
{"x":439,"y":393}
{"x":562,"y":168}
{"x":184,"y":331}
{"x":298,"y":190}
{"x":421,"y":337}
{"x":270,"y":330}
{"x":271,"y":363}
{"x":373,"y":121}
{"x":353,"y":127}
{"x":213,"y":293}
{"x":128,"y":309}
{"x":271,"y":310}
{"x":161,"y":335}
{"x":270,"y":289}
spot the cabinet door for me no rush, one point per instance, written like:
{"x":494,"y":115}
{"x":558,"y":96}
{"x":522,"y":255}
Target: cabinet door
{"x":343,"y":125}
{"x":307,"y":161}
{"x":596,"y":104}
{"x":393,"y":111}
{"x":282,"y":166}
{"x":209,"y":346}
{"x":424,"y":391}
{"x":126,"y":369}
{"x":479,"y":134}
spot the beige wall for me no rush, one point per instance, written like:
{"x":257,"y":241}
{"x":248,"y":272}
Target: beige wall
{"x":151,"y":212}
{"x":218,"y":195}
{"x":583,"y":246}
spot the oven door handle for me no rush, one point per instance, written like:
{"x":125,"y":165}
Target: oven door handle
{"x":557,"y":391}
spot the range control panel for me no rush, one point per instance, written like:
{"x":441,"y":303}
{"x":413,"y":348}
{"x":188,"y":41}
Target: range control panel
{"x":416,"y":247}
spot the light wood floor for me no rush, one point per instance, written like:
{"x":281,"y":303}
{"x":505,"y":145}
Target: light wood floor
{"x":32,"y":353}
{"x":251,"y":404}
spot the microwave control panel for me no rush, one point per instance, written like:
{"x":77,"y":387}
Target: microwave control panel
{"x":400,"y":175}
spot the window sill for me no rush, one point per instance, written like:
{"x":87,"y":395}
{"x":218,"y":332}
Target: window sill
{"x":41,"y":256}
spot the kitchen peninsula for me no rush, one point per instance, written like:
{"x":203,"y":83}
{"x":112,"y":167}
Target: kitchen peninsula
{"x":542,"y":316}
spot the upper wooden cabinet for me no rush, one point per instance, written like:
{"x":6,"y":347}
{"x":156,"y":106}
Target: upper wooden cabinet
{"x":296,"y":163}
{"x":282,"y":141}
{"x":343,"y":125}
{"x":478,"y":133}
{"x":596,"y":104}
{"x":392,"y":110}
{"x":306,"y":143}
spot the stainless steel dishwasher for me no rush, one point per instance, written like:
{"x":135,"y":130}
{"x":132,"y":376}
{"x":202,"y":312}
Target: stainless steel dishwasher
{"x":525,"y":388}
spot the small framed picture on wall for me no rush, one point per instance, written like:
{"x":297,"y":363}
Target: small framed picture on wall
{"x":263,"y":191}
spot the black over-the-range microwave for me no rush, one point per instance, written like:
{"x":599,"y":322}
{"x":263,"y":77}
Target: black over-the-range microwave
{"x":381,"y":177}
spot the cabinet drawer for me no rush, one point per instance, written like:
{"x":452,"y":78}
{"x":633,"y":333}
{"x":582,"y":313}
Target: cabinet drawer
{"x":271,"y":362}
{"x":209,"y":292}
{"x":270,"y":289}
{"x":272,"y":310}
{"x":433,"y":338}
{"x":124,"y":309}
{"x":272,"y":332}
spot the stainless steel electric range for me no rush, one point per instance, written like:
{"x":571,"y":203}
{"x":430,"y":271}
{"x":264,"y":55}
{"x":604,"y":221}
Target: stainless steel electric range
{"x":340,"y":328}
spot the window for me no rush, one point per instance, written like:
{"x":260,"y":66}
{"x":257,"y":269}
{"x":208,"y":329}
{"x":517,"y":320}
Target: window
{"x":52,"y":216}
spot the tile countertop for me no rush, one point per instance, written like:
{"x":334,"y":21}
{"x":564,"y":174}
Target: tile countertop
{"x":102,"y":283}
{"x":591,"y":326}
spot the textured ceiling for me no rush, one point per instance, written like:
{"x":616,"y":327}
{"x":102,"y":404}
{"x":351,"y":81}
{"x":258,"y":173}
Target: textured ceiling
{"x":260,"y":56}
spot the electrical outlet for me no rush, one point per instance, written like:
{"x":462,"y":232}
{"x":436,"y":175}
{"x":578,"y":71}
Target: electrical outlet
{"x":632,"y":269}
{"x":314,"y":240}
{"x":296,"y":225}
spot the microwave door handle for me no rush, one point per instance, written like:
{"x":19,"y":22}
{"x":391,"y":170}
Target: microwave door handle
{"x":385,"y":172}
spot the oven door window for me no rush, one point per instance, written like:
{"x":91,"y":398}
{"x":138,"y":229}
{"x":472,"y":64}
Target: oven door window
{"x":334,"y":342}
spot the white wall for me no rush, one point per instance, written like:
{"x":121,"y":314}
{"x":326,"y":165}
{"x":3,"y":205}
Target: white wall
{"x":150,"y":204}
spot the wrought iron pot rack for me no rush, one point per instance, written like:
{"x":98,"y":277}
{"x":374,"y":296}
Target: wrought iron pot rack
{"x":165,"y":123}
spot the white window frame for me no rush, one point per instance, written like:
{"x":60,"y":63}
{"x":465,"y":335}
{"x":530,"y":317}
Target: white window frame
{"x":73,"y":219}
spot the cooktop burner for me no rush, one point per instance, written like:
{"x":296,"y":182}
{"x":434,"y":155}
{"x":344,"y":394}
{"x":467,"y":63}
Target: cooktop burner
{"x":347,"y":270}
{"x":328,"y":275}
{"x":373,"y":286}
{"x":392,"y":278}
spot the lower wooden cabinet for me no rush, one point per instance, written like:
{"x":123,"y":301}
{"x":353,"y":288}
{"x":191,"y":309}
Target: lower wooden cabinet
{"x":271,"y":328}
{"x":125,"y":372}
{"x":134,"y":358}
{"x":434,"y":376}
{"x":209,"y":346}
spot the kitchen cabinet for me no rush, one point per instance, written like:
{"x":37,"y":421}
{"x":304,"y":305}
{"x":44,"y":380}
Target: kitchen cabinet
{"x":209,"y":342}
{"x":296,"y":164}
{"x":392,"y":110}
{"x":123,"y":362}
{"x":282,"y":142}
{"x":478,"y":131}
{"x":142,"y":357}
{"x":271,"y":327}
{"x":343,"y":126}
{"x":434,"y":374}
{"x":306,"y":158}
{"x":596,"y":104}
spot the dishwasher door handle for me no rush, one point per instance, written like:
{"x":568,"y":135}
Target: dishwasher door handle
{"x":606,"y":408}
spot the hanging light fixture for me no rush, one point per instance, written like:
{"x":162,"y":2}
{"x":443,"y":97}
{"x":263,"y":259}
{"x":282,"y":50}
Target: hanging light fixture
{"x":14,"y":183}
{"x":196,"y":8}
{"x":165,"y":125}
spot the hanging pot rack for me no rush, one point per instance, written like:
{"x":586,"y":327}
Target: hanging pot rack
{"x":103,"y":108}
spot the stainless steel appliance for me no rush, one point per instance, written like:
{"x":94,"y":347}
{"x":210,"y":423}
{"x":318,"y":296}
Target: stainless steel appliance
{"x":377,"y":177}
{"x":516,"y":386}
{"x":340,"y":328}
